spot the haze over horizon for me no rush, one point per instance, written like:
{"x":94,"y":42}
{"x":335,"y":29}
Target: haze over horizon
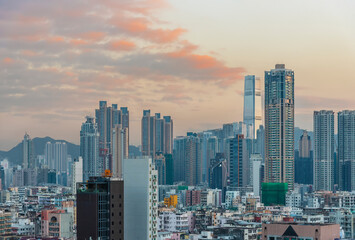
{"x":59,"y":59}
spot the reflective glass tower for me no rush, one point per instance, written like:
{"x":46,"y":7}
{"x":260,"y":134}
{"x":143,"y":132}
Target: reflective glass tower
{"x":279,"y":125}
{"x":89,"y":149}
{"x":252,"y":115}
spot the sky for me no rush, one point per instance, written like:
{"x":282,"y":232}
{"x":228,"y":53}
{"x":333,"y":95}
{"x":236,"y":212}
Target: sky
{"x":184,"y":58}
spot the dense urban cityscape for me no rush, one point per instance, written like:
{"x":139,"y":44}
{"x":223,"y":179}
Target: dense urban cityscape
{"x":177,"y":120}
{"x":262,"y":178}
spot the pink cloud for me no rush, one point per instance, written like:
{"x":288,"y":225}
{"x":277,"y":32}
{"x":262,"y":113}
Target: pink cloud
{"x":78,"y":42}
{"x":55,"y":39}
{"x":8,"y":60}
{"x":29,"y":53}
{"x":122,"y":45}
{"x":92,"y":36}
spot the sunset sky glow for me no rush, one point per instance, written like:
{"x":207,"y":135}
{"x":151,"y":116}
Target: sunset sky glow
{"x":184,"y":58}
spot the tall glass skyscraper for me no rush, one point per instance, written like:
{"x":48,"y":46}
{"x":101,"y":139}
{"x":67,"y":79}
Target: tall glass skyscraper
{"x":279,"y":125}
{"x":252,"y":115}
{"x":346,"y":149}
{"x":323,"y":150}
{"x":27,"y":152}
{"x":89,"y":149}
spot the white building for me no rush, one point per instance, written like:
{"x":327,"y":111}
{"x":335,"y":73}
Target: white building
{"x":77,"y":173}
{"x":255,"y":160}
{"x":173,"y":222}
{"x":140,"y":199}
{"x":293,"y":199}
{"x":24,"y":227}
{"x":230,"y":198}
{"x":119,"y":149}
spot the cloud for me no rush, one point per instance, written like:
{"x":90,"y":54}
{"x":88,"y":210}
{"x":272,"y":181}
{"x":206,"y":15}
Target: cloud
{"x":8,"y":60}
{"x":122,"y":45}
{"x":59,"y":58}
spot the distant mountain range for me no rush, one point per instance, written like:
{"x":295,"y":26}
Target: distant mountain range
{"x":15,"y":154}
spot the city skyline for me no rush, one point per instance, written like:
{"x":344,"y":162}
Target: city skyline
{"x":48,"y":89}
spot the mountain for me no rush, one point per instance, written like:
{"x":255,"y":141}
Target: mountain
{"x":15,"y":154}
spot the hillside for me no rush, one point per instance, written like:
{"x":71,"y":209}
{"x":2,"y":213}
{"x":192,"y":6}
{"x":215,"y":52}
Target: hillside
{"x":15,"y":154}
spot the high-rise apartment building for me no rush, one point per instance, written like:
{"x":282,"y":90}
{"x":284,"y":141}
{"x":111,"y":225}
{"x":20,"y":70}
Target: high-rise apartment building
{"x":323,"y":150}
{"x":305,"y":145}
{"x":101,"y":209}
{"x":28,"y":160}
{"x":179,"y":157}
{"x":89,"y":149}
{"x":141,"y":199}
{"x":346,"y":149}
{"x":146,"y":133}
{"x":157,"y":134}
{"x":168,"y":134}
{"x":304,"y":160}
{"x":56,"y":156}
{"x":252,"y":115}
{"x":77,"y":173}
{"x":119,"y":149}
{"x":279,"y":125}
{"x":193,"y":160}
{"x":255,"y":173}
{"x":107,"y":117}
{"x":239,"y":162}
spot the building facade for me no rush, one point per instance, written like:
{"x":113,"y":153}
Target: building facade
{"x":141,"y":199}
{"x":100,"y":209}
{"x":323,"y":150}
{"x":279,"y":125}
{"x":89,"y":149}
{"x":346,"y":149}
{"x":252,"y":114}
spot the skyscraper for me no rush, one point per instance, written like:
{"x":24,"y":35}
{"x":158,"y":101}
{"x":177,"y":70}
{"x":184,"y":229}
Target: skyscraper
{"x":28,"y":160}
{"x":255,"y":173}
{"x":239,"y":164}
{"x":346,"y":149}
{"x":304,"y":160}
{"x":323,"y":150}
{"x":107,"y":117}
{"x":193,"y":160}
{"x":168,"y":134}
{"x":140,"y":198}
{"x":279,"y":125}
{"x":252,"y":115}
{"x":100,"y":209}
{"x":77,"y":173}
{"x":179,"y":158}
{"x":56,"y":155}
{"x":157,"y":134}
{"x":146,"y":133}
{"x":305,"y":145}
{"x":89,"y":149}
{"x":119,"y":149}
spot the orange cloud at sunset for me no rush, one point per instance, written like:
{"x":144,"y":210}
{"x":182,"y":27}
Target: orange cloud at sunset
{"x":122,"y":45}
{"x":8,"y":60}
